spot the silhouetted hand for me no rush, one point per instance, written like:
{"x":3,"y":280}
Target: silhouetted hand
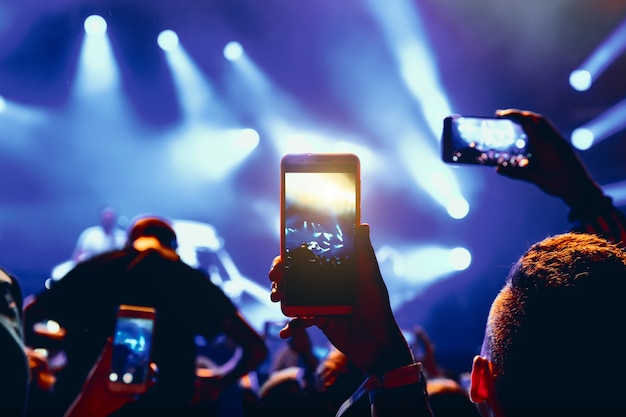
{"x":554,"y":166}
{"x":369,"y":336}
{"x":95,"y":399}
{"x":429,"y":361}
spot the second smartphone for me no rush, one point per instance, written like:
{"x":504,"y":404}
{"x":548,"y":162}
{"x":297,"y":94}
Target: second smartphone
{"x":320,"y":208}
{"x":487,"y":141}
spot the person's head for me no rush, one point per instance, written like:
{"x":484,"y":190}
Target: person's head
{"x":337,"y":379}
{"x":286,"y":393}
{"x":447,"y":398}
{"x":151,"y":231}
{"x":552,"y":343}
{"x":108,"y":218}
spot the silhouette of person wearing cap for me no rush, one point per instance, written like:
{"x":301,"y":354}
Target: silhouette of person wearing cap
{"x":146,"y":272}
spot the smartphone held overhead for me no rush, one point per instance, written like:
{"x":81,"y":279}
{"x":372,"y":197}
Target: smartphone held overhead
{"x":320,"y":207}
{"x":489,"y":141}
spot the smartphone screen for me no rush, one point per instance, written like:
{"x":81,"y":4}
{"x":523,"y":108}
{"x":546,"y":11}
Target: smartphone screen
{"x":484,"y":141}
{"x":132,"y":347}
{"x":319,"y":211}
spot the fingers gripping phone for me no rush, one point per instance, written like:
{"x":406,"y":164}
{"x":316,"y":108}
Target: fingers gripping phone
{"x":320,"y":207}
{"x":484,"y":141}
{"x":132,"y":349}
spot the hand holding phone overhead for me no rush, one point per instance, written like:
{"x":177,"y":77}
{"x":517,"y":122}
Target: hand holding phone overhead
{"x":555,"y":168}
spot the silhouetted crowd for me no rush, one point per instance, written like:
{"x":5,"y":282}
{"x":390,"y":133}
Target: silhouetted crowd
{"x":552,"y":343}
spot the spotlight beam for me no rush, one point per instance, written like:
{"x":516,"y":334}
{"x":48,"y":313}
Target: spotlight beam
{"x":600,"y":128}
{"x":604,"y":55}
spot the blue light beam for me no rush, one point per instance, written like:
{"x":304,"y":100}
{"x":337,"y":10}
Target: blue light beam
{"x":604,"y":55}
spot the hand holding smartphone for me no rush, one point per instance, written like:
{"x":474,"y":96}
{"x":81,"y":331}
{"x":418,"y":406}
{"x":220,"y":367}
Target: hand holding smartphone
{"x":320,"y":207}
{"x":489,"y":141}
{"x":132,"y":349}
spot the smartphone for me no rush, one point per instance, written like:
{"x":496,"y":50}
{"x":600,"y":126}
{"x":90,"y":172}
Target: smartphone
{"x":132,"y":349}
{"x":487,"y":141}
{"x":320,"y":208}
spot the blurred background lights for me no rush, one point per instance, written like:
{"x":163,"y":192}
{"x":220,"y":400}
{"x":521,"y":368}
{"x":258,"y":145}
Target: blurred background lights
{"x":168,"y":40}
{"x":95,"y":25}
{"x":248,"y":139}
{"x":458,"y":208}
{"x":582,"y":138}
{"x":580,"y":80}
{"x":233,"y":51}
{"x":53,"y":326}
{"x":460,"y":259}
{"x":214,"y":117}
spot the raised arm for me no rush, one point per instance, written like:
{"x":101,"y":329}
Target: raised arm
{"x":251,"y":352}
{"x":370,"y":337}
{"x":557,"y":170}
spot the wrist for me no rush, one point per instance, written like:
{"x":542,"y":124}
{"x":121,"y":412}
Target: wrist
{"x":583,"y":195}
{"x":392,"y":357}
{"x":408,"y":400}
{"x":400,"y":391}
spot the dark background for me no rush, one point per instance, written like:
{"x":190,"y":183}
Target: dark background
{"x":333,"y":64}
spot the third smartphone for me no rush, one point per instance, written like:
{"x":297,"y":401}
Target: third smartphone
{"x":320,"y":208}
{"x":132,"y":348}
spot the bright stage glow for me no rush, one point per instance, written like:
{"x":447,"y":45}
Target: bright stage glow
{"x":433,"y":176}
{"x":193,"y":87}
{"x":582,"y":138}
{"x":233,"y":51}
{"x":580,"y":80}
{"x":3,"y":104}
{"x":608,"y":123}
{"x":168,"y":40}
{"x":458,"y":208}
{"x":95,"y":25}
{"x":403,"y":29}
{"x":248,"y":139}
{"x":97,"y":69}
{"x":419,"y":266}
{"x":460,"y":259}
{"x":203,"y":153}
{"x":604,"y":55}
{"x":282,"y":119}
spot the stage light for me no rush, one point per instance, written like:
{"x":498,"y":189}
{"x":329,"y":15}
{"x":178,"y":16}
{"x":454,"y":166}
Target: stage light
{"x":247,"y":139}
{"x":423,"y":264}
{"x":604,"y":55}
{"x":402,"y":26}
{"x":580,"y":80}
{"x":3,"y":104}
{"x":458,"y":208}
{"x":233,"y":51}
{"x":95,"y":25}
{"x":97,"y":70}
{"x":608,"y":123}
{"x":460,"y":258}
{"x":168,"y":40}
{"x":582,"y":138}
{"x":194,"y":89}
